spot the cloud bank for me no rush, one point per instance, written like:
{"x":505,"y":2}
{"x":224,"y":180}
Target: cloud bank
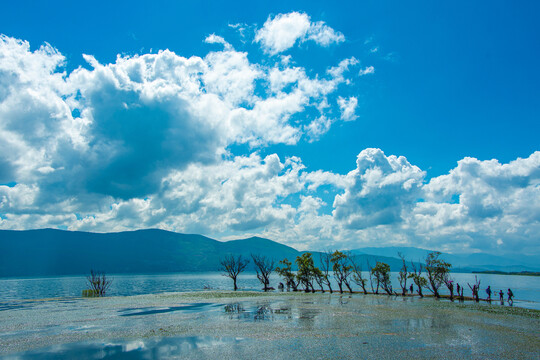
{"x":145,"y":142}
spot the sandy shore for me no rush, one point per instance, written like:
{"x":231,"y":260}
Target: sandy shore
{"x":265,"y":326}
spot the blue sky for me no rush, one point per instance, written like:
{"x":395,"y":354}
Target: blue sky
{"x":424,"y":133}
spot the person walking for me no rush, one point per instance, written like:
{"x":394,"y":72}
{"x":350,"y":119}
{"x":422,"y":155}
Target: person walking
{"x":488,"y":291}
{"x":501,"y":297}
{"x":510,"y":297}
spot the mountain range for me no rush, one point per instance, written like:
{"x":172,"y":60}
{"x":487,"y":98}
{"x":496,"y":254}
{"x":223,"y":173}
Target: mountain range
{"x":47,"y":252}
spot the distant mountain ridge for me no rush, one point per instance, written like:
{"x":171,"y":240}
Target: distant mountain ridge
{"x":460,"y":262}
{"x":59,"y":252}
{"x":47,"y":252}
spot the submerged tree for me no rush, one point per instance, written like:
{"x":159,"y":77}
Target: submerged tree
{"x":403,"y":275}
{"x":449,"y":285}
{"x":370,"y":272}
{"x":264,"y":267}
{"x":306,"y":271}
{"x":357,"y":274}
{"x":475,"y":288}
{"x":233,"y":266}
{"x":341,"y":269}
{"x":381,"y":272}
{"x":98,"y":282}
{"x":319,"y":278}
{"x":326,"y":260}
{"x":285,"y":271}
{"x":417,"y":278}
{"x":437,"y":270}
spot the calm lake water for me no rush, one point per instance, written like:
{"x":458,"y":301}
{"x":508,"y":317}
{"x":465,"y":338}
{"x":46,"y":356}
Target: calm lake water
{"x":526,"y":288}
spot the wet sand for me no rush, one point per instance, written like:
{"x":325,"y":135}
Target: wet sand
{"x":247,"y":325}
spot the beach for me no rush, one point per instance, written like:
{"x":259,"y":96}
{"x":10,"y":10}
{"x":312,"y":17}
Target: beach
{"x":222,"y":324}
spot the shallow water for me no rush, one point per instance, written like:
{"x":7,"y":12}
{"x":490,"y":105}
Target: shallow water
{"x":525,"y":288}
{"x":214,"y":325}
{"x":167,"y":347}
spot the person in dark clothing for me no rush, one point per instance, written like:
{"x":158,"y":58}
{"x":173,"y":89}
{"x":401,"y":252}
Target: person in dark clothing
{"x":501,"y":297}
{"x":458,"y":287}
{"x":510,"y":297}
{"x":488,"y":292}
{"x":412,"y":289}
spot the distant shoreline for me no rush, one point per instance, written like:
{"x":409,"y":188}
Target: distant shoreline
{"x":522,"y":273}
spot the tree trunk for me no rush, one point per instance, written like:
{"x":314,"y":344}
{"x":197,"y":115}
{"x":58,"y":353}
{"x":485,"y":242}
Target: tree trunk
{"x":235,"y":287}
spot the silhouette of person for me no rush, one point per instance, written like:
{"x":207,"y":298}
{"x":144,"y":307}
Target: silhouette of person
{"x":510,"y":297}
{"x":501,"y":297}
{"x":412,"y":289}
{"x":488,"y":291}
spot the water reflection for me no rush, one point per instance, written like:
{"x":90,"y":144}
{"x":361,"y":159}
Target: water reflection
{"x":189,"y":308}
{"x":277,"y":311}
{"x":136,"y":349}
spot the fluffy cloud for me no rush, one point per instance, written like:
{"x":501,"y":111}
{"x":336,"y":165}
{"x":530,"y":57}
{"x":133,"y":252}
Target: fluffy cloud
{"x":348,"y":108}
{"x":146,"y":141}
{"x":380,"y":189}
{"x":284,"y":30}
{"x":484,"y":204}
{"x":118,"y":129}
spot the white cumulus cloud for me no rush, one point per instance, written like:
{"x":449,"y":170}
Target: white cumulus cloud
{"x":280,"y":33}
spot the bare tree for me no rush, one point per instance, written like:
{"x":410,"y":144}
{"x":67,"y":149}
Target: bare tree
{"x":233,"y":266}
{"x":475,"y":288}
{"x":99,"y":283}
{"x":357,"y":274}
{"x":417,"y":278}
{"x":264,"y":267}
{"x":450,"y":285}
{"x":319,"y":278}
{"x":370,"y":276}
{"x":403,"y":275}
{"x":326,"y":260}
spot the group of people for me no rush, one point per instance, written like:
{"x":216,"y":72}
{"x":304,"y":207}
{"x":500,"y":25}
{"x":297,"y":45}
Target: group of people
{"x":459,"y":292}
{"x":501,"y":295}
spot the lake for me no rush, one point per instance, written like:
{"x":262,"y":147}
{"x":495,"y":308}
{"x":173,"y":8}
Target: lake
{"x":525,"y":288}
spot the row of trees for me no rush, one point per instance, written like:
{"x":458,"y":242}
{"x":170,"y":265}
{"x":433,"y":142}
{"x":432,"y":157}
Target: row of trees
{"x":347,"y":270}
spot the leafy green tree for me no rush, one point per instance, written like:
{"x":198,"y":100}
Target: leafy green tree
{"x":285,"y":271}
{"x":437,"y":270}
{"x":233,"y":266}
{"x":306,"y":269}
{"x":381,"y":272}
{"x":341,"y":269}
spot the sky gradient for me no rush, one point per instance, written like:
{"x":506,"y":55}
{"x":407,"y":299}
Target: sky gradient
{"x":358,"y":124}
